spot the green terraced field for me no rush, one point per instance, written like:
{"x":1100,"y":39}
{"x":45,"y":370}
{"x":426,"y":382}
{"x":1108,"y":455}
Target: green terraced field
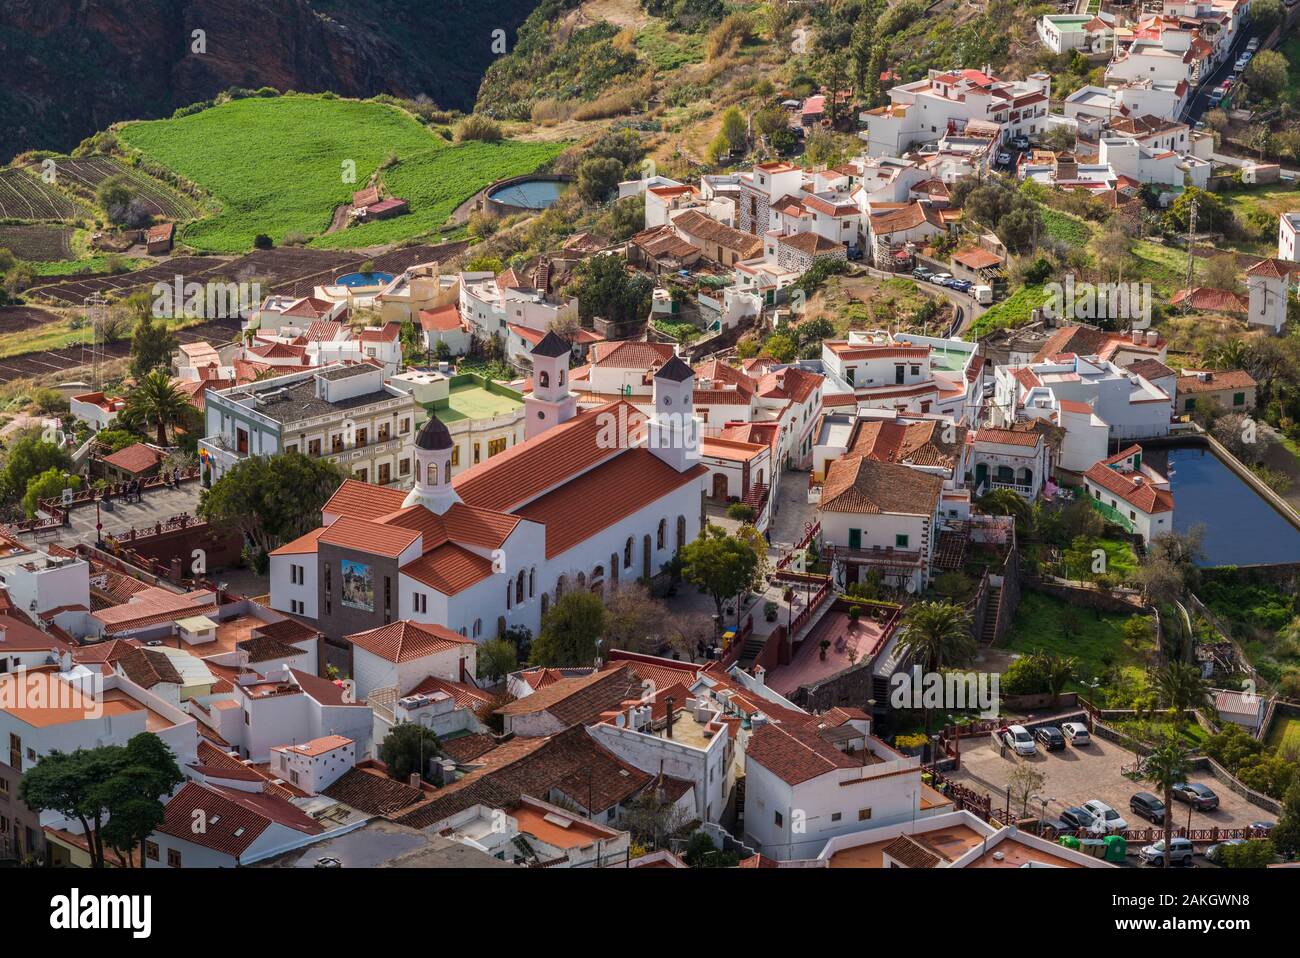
{"x":280,"y":165}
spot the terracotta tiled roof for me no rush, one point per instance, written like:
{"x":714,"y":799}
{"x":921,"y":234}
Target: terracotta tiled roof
{"x":1272,"y":268}
{"x":533,"y":766}
{"x":288,"y":631}
{"x":914,"y":443}
{"x":449,"y":568}
{"x":406,"y":640}
{"x":602,"y":496}
{"x":1229,"y":379}
{"x":363,"y":501}
{"x":441,"y":320}
{"x":862,"y":486}
{"x":466,"y":748}
{"x":465,"y":696}
{"x":234,"y":819}
{"x":1140,"y":494}
{"x":696,"y":224}
{"x":135,"y":459}
{"x":529,"y":468}
{"x":1007,"y":437}
{"x":796,"y":754}
{"x":630,"y":354}
{"x":149,"y":667}
{"x":1080,"y":340}
{"x":580,"y":700}
{"x":323,"y":690}
{"x":20,"y":636}
{"x":373,"y":538}
{"x":1150,"y":369}
{"x":911,"y":851}
{"x":370,"y":790}
{"x":1211,"y":300}
{"x":263,"y":648}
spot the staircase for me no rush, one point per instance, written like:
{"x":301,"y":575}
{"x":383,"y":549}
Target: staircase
{"x":756,"y":496}
{"x":991,"y":610}
{"x":753,"y":647}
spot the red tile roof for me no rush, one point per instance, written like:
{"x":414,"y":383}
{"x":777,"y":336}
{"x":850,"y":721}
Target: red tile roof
{"x":233,"y":819}
{"x":449,"y":568}
{"x":406,"y":640}
{"x":1131,"y":487}
{"x":863,"y":486}
{"x":599,"y":498}
{"x":135,"y":459}
{"x":441,"y":320}
{"x":370,"y":537}
{"x":527,"y":469}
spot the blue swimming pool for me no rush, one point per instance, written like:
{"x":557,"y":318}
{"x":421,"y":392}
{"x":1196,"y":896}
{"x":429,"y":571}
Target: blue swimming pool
{"x":364,"y":279}
{"x":1240,"y":528}
{"x":530,"y":194}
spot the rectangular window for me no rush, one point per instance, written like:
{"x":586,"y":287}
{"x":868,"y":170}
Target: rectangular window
{"x":405,"y":427}
{"x":477,"y":458}
{"x":362,"y":436}
{"x":836,"y":816}
{"x":385,"y":473}
{"x":173,"y":858}
{"x":864,"y":814}
{"x":900,"y":541}
{"x":1238,"y":399}
{"x":777,"y":819}
{"x":495,"y":446}
{"x":382,"y":432}
{"x":151,"y":851}
{"x":291,"y":447}
{"x":313,"y":448}
{"x":404,"y":467}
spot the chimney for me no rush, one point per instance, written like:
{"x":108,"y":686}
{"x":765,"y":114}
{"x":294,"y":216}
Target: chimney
{"x":669,"y":702}
{"x":1137,"y":337}
{"x":415,"y":780}
{"x":1152,"y":337}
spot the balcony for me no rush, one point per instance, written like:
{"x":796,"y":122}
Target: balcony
{"x":877,"y":555}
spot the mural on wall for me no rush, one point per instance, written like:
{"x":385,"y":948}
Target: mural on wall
{"x":358,"y":586}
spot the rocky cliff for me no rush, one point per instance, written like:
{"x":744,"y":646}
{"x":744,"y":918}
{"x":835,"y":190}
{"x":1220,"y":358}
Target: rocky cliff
{"x":71,"y":67}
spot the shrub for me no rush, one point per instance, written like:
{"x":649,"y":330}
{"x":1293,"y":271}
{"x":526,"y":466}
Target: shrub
{"x":741,"y":512}
{"x":476,"y":127}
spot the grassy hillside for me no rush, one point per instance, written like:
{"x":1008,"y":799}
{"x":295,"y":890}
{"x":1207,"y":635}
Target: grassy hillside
{"x":277,"y":166}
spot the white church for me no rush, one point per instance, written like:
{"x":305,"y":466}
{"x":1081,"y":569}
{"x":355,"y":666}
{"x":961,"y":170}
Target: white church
{"x":588,"y":500}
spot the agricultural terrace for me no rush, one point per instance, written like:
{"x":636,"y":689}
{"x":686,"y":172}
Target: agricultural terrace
{"x":84,"y":175}
{"x":23,"y":196}
{"x":40,"y":242}
{"x":281,"y":165}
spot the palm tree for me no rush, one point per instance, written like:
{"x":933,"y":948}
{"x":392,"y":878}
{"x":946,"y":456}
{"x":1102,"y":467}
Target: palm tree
{"x":1058,"y":669}
{"x":939,"y":634}
{"x":1168,"y":765}
{"x":1180,"y":688}
{"x":1227,"y":355}
{"x":156,"y":402}
{"x":1006,"y":502}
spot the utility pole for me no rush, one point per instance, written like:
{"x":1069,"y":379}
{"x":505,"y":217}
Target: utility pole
{"x":1191,"y":256}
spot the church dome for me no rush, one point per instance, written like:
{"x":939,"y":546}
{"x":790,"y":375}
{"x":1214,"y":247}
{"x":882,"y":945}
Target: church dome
{"x":433,"y":435}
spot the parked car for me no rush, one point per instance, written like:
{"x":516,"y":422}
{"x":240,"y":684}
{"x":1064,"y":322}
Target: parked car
{"x":1020,"y":142}
{"x":1148,"y":806}
{"x":960,"y":285}
{"x":1017,"y":737}
{"x":1215,"y":98}
{"x":1004,"y":158}
{"x":1180,"y":852}
{"x":1215,"y":852}
{"x":940,"y":279}
{"x":1261,"y":829}
{"x":1076,"y":733}
{"x":922,"y":274}
{"x":1081,"y":820}
{"x":854,"y":253}
{"x":1051,"y":738}
{"x":1201,"y":797}
{"x":1111,"y":819}
{"x":1253,"y":45}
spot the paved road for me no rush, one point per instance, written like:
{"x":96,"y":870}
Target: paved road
{"x":1199,"y":101}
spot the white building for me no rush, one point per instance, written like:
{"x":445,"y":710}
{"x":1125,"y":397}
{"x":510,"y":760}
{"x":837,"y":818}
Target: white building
{"x":1087,"y":34}
{"x":1268,"y":283}
{"x":346,"y":413}
{"x":1131,"y":493}
{"x":492,"y":547}
{"x":1288,"y":226}
{"x":314,"y":766}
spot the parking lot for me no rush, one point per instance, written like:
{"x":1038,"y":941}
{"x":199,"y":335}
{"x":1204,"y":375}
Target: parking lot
{"x":1077,"y":775}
